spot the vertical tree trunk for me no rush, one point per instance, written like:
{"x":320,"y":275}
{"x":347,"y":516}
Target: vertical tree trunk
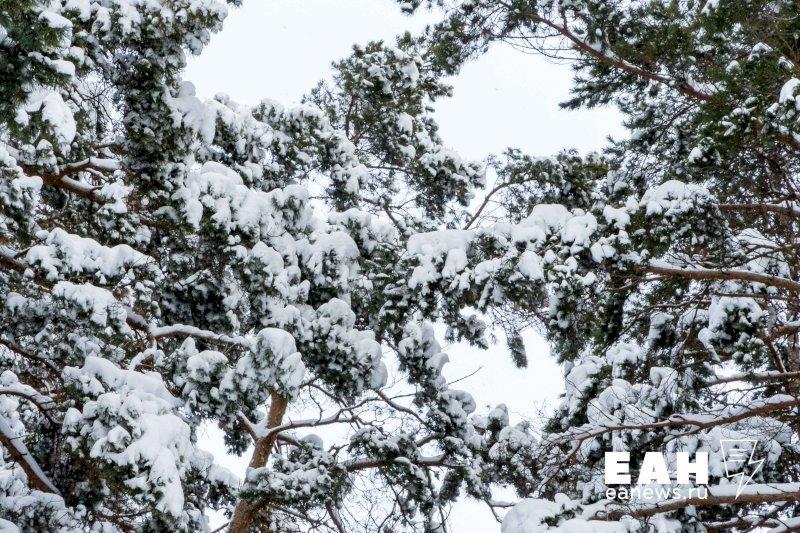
{"x":245,"y":512}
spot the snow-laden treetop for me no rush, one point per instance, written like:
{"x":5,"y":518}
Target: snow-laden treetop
{"x":169,"y":262}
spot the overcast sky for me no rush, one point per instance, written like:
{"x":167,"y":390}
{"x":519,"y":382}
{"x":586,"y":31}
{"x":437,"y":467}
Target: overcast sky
{"x":279,"y":49}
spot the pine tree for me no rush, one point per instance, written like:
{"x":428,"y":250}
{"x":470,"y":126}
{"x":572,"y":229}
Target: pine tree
{"x":664,"y":270}
{"x":165,"y":266}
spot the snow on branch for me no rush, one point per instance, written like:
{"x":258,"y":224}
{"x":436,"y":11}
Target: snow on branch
{"x":697,"y":420}
{"x":19,"y":452}
{"x":42,"y":402}
{"x":191,"y":331}
{"x":666,"y":269}
{"x":773,"y":375}
{"x":717,"y":495}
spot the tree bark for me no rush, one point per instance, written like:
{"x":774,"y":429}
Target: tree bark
{"x":246,"y":511}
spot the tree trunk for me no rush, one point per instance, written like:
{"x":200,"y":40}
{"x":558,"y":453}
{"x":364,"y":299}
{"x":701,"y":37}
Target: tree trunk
{"x":245,"y":512}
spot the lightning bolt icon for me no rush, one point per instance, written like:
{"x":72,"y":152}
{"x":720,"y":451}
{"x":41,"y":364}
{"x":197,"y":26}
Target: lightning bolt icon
{"x":736,"y":454}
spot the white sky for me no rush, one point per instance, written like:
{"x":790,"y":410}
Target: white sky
{"x":279,"y":49}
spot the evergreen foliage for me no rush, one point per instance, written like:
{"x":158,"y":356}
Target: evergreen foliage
{"x":170,"y":262}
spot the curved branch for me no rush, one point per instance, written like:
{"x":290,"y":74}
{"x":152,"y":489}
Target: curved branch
{"x":610,"y":58}
{"x":20,"y":454}
{"x":39,"y":400}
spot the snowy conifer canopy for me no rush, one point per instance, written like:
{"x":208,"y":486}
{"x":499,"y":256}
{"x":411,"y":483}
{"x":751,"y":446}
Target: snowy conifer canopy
{"x":664,"y":270}
{"x":169,"y":263}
